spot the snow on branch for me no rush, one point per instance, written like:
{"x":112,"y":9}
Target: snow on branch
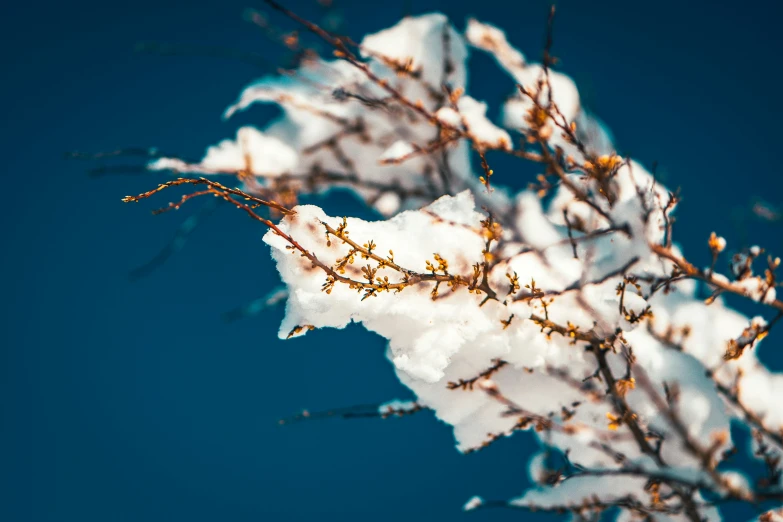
{"x":579,"y":318}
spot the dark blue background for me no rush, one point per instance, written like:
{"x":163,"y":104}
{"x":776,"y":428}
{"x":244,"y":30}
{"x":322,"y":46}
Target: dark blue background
{"x":126,"y":401}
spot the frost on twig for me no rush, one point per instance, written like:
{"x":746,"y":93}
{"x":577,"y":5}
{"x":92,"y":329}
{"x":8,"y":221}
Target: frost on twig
{"x":579,"y":318}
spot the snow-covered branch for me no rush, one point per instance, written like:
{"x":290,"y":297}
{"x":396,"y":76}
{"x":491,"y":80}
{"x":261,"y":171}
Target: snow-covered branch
{"x":567,"y":308}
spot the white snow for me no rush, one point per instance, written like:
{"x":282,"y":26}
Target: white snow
{"x":332,"y":111}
